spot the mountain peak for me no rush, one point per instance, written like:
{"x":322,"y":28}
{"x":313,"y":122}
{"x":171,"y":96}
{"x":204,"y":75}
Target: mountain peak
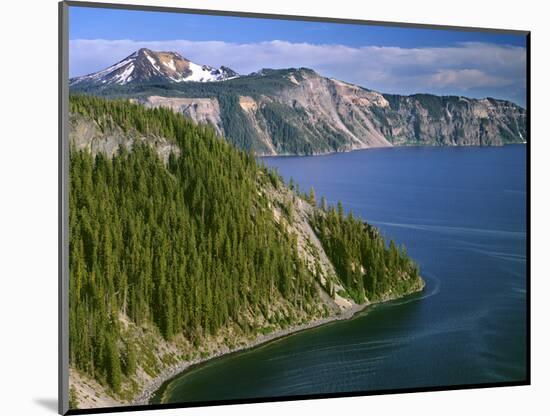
{"x":146,"y":65}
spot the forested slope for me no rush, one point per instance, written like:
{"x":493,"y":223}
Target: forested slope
{"x":180,"y":254}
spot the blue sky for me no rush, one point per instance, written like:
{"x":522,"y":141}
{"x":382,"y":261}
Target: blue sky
{"x":388,"y":59}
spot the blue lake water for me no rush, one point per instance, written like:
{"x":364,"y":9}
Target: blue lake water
{"x":461,"y":213}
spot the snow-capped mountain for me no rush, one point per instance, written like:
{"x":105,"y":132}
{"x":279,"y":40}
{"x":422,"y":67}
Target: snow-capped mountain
{"x":147,"y":65}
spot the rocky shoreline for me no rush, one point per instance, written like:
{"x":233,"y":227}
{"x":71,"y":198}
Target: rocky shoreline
{"x":148,"y":392}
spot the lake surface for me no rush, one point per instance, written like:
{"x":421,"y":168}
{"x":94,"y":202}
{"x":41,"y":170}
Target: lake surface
{"x":461,"y":212}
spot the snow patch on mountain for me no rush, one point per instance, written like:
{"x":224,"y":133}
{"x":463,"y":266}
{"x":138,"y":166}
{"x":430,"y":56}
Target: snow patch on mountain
{"x":171,"y":65}
{"x":145,"y":65}
{"x":201,"y":73}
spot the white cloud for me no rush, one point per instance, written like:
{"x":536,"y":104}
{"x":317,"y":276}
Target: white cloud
{"x":467,"y":79}
{"x":475,"y":69}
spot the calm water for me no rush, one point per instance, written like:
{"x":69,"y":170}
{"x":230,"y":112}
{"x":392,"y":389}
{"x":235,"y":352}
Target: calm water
{"x":461,"y":214}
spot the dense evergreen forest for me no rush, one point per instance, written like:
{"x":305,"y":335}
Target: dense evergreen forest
{"x":190,"y":246}
{"x":366,"y":267}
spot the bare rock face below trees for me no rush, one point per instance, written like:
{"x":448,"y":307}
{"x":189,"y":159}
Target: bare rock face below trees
{"x":86,"y":134}
{"x":201,"y":110}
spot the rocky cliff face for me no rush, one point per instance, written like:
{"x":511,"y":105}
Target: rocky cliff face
{"x":305,"y":113}
{"x":298,"y":111}
{"x":86,"y":134}
{"x":451,"y":121}
{"x":201,"y":110}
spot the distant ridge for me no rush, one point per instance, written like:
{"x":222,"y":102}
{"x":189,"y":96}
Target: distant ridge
{"x":296,"y":111}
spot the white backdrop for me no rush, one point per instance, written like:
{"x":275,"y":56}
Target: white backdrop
{"x":28,"y":205}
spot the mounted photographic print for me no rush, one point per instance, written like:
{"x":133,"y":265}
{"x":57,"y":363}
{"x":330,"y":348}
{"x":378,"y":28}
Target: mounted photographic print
{"x":263,"y":208}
